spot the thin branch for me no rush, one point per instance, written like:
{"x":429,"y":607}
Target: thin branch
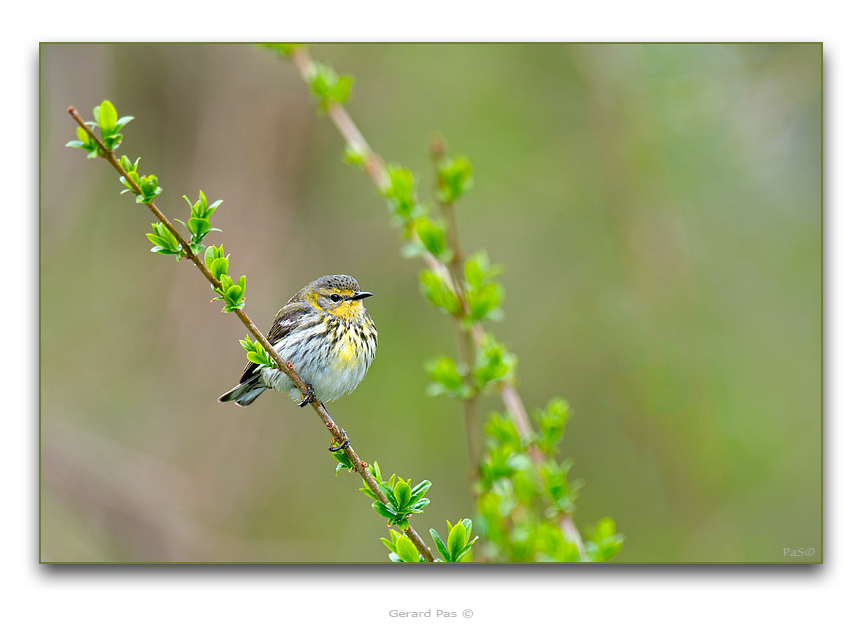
{"x":375,"y":168}
{"x":465,"y":345}
{"x":374,"y":165}
{"x":359,"y":466}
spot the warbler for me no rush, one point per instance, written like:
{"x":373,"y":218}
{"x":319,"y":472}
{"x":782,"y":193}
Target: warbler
{"x":327,"y":334}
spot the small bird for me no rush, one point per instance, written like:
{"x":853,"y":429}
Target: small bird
{"x":326,"y":333}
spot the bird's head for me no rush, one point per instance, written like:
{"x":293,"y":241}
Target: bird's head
{"x":339,"y":295}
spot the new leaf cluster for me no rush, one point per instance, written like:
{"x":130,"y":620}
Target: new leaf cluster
{"x":105,"y":119}
{"x":456,"y":549}
{"x":233,"y":293}
{"x":146,"y":188}
{"x":521,"y":501}
{"x":256,"y":353}
{"x":404,"y":501}
{"x":328,"y":87}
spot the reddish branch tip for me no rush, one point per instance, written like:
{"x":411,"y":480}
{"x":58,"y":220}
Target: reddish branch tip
{"x":72,"y":111}
{"x":437,"y":147}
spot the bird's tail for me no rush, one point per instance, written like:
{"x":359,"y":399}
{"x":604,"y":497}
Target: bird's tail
{"x":246,"y":392}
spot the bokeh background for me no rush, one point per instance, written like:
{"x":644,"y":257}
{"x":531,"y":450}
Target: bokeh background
{"x":658,"y":212}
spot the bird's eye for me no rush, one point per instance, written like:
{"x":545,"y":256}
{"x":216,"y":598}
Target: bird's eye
{"x":335,"y":297}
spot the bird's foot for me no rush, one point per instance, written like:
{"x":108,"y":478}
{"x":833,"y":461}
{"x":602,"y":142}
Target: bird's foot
{"x":340,"y":442}
{"x":308,"y":397}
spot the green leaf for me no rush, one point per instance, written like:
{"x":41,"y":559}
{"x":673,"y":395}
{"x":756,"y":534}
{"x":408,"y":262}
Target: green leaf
{"x":406,"y":551}
{"x":107,"y":118}
{"x":384,"y":510}
{"x":211,"y":253}
{"x":198,"y":226}
{"x":606,"y":527}
{"x":478,"y":269}
{"x":149,"y":186}
{"x":112,"y":141}
{"x":165,"y":242}
{"x":605,"y":542}
{"x":327,"y":86}
{"x":485,"y":301}
{"x":123,"y":121}
{"x":503,"y":430}
{"x":556,"y":486}
{"x":457,"y":539}
{"x":368,"y":492}
{"x":218,"y":267}
{"x":420,"y":504}
{"x":343,"y":461}
{"x":459,"y":542}
{"x":438,"y":292}
{"x":85,"y":143}
{"x":283,"y":49}
{"x":551,"y":422}
{"x":402,"y":495}
{"x":386,"y":488}
{"x":455,"y":178}
{"x":374,"y":470}
{"x":256,"y":353}
{"x":340,"y":92}
{"x":441,"y":547}
{"x":256,"y":358}
{"x":401,"y":183}
{"x":433,"y":237}
{"x":445,"y":371}
{"x":401,"y":194}
{"x":418,"y":491}
{"x":353,"y":156}
{"x":493,"y":362}
{"x":234,"y":293}
{"x":483,"y":295}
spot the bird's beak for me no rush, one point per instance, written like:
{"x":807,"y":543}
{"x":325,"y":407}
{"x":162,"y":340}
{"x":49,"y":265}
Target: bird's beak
{"x":359,"y":295}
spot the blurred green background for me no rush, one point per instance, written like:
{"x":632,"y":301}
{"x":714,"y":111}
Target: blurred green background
{"x":658,"y":212}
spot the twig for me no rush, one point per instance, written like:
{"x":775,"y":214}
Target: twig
{"x":465,"y":345}
{"x":359,"y":466}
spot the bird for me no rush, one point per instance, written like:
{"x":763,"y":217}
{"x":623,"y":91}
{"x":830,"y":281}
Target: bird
{"x":328,"y":336}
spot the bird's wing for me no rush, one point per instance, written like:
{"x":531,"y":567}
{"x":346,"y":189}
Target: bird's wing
{"x":286,"y":320}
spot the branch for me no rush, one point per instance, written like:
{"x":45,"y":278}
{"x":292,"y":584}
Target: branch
{"x":466,"y":347}
{"x":359,"y":466}
{"x":374,"y":166}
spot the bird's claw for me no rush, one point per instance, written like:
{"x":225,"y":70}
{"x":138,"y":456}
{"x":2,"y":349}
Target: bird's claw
{"x":308,"y":397}
{"x":340,"y":442}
